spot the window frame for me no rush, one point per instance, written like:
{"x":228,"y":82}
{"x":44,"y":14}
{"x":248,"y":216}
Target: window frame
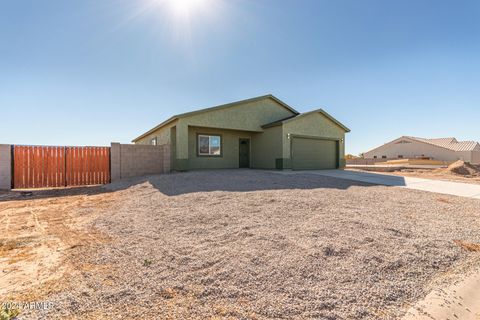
{"x":152,"y":140}
{"x":209,"y":135}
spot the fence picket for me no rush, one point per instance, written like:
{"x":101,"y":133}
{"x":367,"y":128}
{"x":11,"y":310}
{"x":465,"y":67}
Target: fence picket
{"x":46,"y":166}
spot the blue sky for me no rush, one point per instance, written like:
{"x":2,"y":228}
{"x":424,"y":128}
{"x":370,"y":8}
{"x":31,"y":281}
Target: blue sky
{"x":89,"y":72}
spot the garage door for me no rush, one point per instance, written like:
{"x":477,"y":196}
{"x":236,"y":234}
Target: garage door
{"x":314,"y":154}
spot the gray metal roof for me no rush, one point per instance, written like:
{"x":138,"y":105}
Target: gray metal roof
{"x":451,"y":143}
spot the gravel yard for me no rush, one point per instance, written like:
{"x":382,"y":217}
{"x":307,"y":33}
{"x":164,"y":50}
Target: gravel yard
{"x":248,"y":244}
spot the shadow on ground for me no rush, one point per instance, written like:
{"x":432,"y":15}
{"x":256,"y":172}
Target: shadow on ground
{"x":231,"y":180}
{"x":238,"y":180}
{"x":32,"y":194}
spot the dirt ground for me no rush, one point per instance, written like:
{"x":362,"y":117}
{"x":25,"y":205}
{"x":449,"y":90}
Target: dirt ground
{"x":37,"y":229}
{"x":432,"y":174}
{"x":457,"y":172}
{"x":233,"y":244}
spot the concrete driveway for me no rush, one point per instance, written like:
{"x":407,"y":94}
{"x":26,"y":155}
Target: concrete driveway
{"x":437,"y":186}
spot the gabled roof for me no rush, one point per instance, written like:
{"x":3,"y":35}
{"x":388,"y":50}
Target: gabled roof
{"x":295,"y":117}
{"x":223,"y":106}
{"x":441,"y":141}
{"x":451,"y":144}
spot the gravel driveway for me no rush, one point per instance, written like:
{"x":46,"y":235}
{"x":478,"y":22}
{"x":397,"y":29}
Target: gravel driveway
{"x":247,"y":244}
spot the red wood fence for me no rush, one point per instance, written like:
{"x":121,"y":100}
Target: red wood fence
{"x":44,"y":167}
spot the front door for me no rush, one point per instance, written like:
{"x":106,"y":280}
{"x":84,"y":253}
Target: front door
{"x":244,"y":153}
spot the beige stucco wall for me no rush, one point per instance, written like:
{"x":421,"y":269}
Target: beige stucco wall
{"x":464,"y":155}
{"x":476,"y":157}
{"x":316,"y":125}
{"x":412,"y":150}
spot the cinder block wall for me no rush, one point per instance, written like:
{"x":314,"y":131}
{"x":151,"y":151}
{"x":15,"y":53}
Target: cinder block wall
{"x":5,"y":167}
{"x":132,"y":160}
{"x":167,"y":158}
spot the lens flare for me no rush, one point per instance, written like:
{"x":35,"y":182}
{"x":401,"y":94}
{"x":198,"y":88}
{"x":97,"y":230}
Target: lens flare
{"x":184,"y":8}
{"x":182,"y":21}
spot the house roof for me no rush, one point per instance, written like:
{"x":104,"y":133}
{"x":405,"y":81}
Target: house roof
{"x":295,"y":117}
{"x":219,"y":107}
{"x":445,"y":143}
{"x":450,"y":143}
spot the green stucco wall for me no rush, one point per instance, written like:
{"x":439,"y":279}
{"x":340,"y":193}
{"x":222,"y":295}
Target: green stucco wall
{"x":230,"y":149}
{"x":249,"y":116}
{"x":267,"y":148}
{"x":315,"y":125}
{"x":163,"y":135}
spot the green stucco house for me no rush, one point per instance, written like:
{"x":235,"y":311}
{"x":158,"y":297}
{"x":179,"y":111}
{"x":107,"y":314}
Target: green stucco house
{"x":261,"y":133}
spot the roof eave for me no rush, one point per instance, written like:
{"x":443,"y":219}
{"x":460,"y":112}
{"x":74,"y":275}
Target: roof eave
{"x":326,"y":114}
{"x":389,"y":142}
{"x":232,"y":104}
{"x":164,"y":123}
{"x":187,"y":114}
{"x":271,"y":125}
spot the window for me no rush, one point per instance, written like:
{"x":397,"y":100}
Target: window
{"x":384,"y":157}
{"x":400,"y":156}
{"x":153,"y":141}
{"x":374,"y":157}
{"x":209,"y":145}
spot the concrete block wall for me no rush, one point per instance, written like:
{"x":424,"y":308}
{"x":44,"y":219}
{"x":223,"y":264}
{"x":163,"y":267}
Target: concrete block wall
{"x":115,"y":161}
{"x":132,"y":160}
{"x":166,"y":153}
{"x":5,"y":167}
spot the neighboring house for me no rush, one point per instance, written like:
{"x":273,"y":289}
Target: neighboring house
{"x":443,"y":149}
{"x":261,"y":132}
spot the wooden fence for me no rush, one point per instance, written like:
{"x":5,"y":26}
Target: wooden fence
{"x":361,"y":161}
{"x":45,"y":167}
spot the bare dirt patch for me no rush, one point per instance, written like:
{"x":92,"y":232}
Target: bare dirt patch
{"x":468,"y":245}
{"x":459,"y":171}
{"x":462,"y":168}
{"x":245,"y":244}
{"x":36,"y":231}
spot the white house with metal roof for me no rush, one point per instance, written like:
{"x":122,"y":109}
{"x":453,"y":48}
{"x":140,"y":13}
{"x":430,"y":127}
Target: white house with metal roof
{"x":442,"y":149}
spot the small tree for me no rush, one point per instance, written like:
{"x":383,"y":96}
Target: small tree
{"x":350,"y":156}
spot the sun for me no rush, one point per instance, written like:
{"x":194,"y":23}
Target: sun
{"x":184,"y":9}
{"x":180,"y":20}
